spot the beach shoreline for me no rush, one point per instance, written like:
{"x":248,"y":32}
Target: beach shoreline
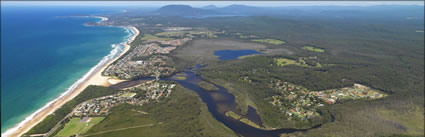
{"x":92,"y":77}
{"x":102,"y":19}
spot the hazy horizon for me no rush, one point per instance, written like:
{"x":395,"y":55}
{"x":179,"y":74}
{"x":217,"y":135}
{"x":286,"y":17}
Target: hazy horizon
{"x":216,"y":3}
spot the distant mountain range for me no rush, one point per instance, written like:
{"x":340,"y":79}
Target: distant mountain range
{"x":210,"y":7}
{"x":183,"y":10}
{"x":295,"y":11}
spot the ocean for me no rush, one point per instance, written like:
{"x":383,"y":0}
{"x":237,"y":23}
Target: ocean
{"x":45,"y":50}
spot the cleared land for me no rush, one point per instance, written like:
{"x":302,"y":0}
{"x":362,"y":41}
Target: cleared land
{"x":314,"y":49}
{"x":242,"y":119}
{"x":76,"y":126}
{"x":269,"y":41}
{"x":128,"y":95}
{"x":171,"y":34}
{"x":233,"y":115}
{"x":180,"y":76}
{"x":285,"y":61}
{"x":152,"y":37}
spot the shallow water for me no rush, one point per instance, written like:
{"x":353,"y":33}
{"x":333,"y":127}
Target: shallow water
{"x":234,"y":54}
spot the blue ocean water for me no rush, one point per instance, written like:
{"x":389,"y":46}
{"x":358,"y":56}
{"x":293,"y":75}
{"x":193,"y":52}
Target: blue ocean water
{"x":234,"y":54}
{"x":44,"y":51}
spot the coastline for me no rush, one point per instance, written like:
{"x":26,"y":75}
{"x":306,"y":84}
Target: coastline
{"x":102,"y":19}
{"x":92,"y":77}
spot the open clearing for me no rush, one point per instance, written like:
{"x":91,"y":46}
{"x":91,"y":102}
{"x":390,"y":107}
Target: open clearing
{"x":75,"y":126}
{"x":310,"y":48}
{"x":242,"y":119}
{"x":285,"y":61}
{"x":127,"y":95}
{"x":269,"y":41}
{"x":171,"y":34}
{"x":152,"y":37}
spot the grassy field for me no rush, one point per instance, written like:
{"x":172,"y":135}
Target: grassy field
{"x":242,"y":119}
{"x":207,"y":86}
{"x":314,"y":49}
{"x":285,"y":61}
{"x":269,"y":41}
{"x":233,"y":115}
{"x":152,"y":37}
{"x":181,"y":77}
{"x":171,"y":34}
{"x":74,"y":126}
{"x":50,"y":121}
{"x":128,"y":94}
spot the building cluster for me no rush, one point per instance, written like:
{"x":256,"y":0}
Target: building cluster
{"x":356,"y":92}
{"x":101,"y":106}
{"x":301,"y":103}
{"x":151,"y":58}
{"x":149,"y":91}
{"x":153,"y":90}
{"x":144,"y":60}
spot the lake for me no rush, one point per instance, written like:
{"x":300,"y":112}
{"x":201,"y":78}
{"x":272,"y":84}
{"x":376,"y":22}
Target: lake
{"x":234,"y":54}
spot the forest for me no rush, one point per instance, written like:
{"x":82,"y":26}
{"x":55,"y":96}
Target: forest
{"x":383,"y":59}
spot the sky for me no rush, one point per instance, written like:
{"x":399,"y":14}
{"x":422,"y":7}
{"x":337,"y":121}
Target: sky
{"x":205,"y":3}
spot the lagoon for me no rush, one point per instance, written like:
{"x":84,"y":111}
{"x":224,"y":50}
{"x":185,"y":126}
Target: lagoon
{"x":234,"y":54}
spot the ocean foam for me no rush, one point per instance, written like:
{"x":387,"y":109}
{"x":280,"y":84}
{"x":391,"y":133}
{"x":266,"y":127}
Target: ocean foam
{"x":117,"y":49}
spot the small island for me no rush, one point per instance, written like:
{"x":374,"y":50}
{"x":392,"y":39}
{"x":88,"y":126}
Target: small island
{"x":314,"y":49}
{"x":207,"y":86}
{"x":269,"y":41}
{"x":242,"y":119}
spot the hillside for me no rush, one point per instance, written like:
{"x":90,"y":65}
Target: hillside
{"x":183,"y":10}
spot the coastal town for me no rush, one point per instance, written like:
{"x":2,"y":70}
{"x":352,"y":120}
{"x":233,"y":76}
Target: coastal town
{"x":91,"y":112}
{"x":138,"y":95}
{"x":151,"y":58}
{"x":298,"y":102}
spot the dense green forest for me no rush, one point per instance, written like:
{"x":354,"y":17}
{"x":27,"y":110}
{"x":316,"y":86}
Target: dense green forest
{"x":364,"y":52}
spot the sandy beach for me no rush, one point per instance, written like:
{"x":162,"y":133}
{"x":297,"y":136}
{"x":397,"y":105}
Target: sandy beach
{"x":102,"y":18}
{"x":95,"y":78}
